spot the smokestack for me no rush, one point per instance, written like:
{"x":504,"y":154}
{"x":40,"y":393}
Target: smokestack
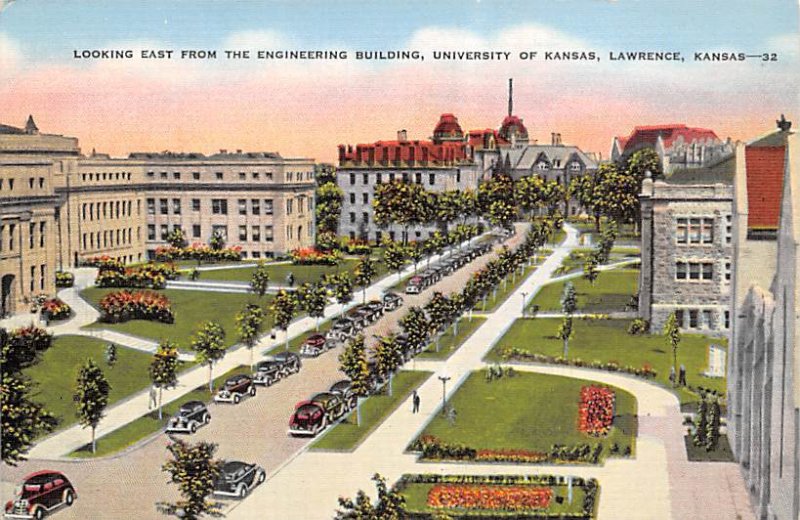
{"x":402,"y":135}
{"x":510,"y":96}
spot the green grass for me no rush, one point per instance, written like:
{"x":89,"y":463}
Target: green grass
{"x":58,"y":369}
{"x":611,"y":292}
{"x":416,"y":495}
{"x":279,"y":272}
{"x":191,"y":309}
{"x":346,"y":436}
{"x":575,"y":261}
{"x":698,"y":454}
{"x":450,"y":343}
{"x":504,"y":289}
{"x":607,"y":340}
{"x":527,"y":412}
{"x":149,"y":423}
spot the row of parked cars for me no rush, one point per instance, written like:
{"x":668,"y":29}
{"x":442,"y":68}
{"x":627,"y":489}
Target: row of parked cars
{"x":446,"y":266}
{"x":315,"y":414}
{"x":347,"y":326}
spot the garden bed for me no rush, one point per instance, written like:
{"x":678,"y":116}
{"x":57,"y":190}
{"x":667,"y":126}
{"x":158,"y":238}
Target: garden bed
{"x":723,"y":452}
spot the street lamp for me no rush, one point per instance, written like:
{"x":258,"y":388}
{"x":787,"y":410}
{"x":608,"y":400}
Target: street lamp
{"x":524,"y":295}
{"x":444,"y":378}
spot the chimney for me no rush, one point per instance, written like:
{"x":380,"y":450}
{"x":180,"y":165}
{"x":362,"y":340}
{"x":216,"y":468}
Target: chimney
{"x":341,"y":154}
{"x":402,"y":135}
{"x":553,"y":138}
{"x":238,"y":150}
{"x":223,"y":151}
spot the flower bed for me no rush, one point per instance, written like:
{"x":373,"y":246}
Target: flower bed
{"x":356,"y":247}
{"x":38,"y":338}
{"x":504,"y":498}
{"x":312,"y":256}
{"x":596,"y":410}
{"x":55,"y":309}
{"x":517,"y":354}
{"x":150,"y":276}
{"x":199,"y":252}
{"x":103,"y":263}
{"x":64,"y":279}
{"x":122,"y":306}
{"x":433,"y":448}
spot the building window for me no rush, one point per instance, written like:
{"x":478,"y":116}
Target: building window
{"x":405,"y":177}
{"x":11,"y":229}
{"x":163,"y":206}
{"x":267,"y":206}
{"x":268,"y":234}
{"x":151,"y":233}
{"x":196,"y":176}
{"x":256,"y":254}
{"x":727,"y":272}
{"x":163,"y":175}
{"x":391,"y":177}
{"x":164,"y":231}
{"x":542,"y":166}
{"x":151,"y":207}
{"x":574,"y":166}
{"x":418,"y":177}
{"x":365,"y":178}
{"x":176,"y":206}
{"x":255,"y":233}
{"x":33,"y":275}
{"x":310,"y":203}
{"x":42,"y":226}
{"x":242,"y":233}
{"x":242,"y":176}
{"x":431,"y":179}
{"x":352,"y":198}
{"x":242,"y":206}
{"x":176,"y":176}
{"x":255,"y":176}
{"x":256,"y":206}
{"x":681,"y":231}
{"x":378,"y":178}
{"x":694,"y":271}
{"x":727,"y":315}
{"x":352,"y":178}
{"x":289,"y":176}
{"x":218,"y":175}
{"x":378,"y":236}
{"x":219,"y":206}
{"x":352,"y":217}
{"x":195,"y":230}
{"x":708,"y":271}
{"x":728,"y":229}
{"x":352,"y":235}
{"x":364,"y":198}
{"x":458,"y":176}
{"x":680,"y":271}
{"x":365,"y":217}
{"x":150,"y":175}
{"x":268,"y":175}
{"x":289,"y":206}
{"x":707,"y":230}
{"x":693,"y":318}
{"x":707,"y":320}
{"x":31,"y":233}
{"x":195,"y":204}
{"x":289,"y":232}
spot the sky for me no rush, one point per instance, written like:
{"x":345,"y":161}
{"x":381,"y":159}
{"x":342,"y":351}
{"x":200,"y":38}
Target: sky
{"x":308,"y":107}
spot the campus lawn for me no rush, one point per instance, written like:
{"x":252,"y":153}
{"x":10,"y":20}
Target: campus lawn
{"x":575,"y":261}
{"x":416,"y":495}
{"x":191,"y":309}
{"x":346,"y":436}
{"x":58,"y":369}
{"x":149,"y":424}
{"x":279,"y":272}
{"x":723,"y":452}
{"x":504,"y":289}
{"x":527,"y":411}
{"x":449,"y":343}
{"x":608,"y":340}
{"x":611,"y":292}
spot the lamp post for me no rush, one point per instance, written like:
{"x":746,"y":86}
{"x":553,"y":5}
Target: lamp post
{"x":524,"y":295}
{"x":444,"y":378}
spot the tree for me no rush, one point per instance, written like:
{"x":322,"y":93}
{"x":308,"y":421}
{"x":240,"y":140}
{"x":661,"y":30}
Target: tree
{"x":712,"y":425}
{"x":353,"y":362}
{"x":342,"y":289}
{"x":590,"y":271}
{"x":217,"y":241}
{"x":209,"y":343}
{"x":389,"y":506}
{"x":672,"y":335}
{"x":415,"y":325}
{"x":565,"y":333}
{"x":250,"y":323}
{"x":22,"y":348}
{"x":415,"y":252}
{"x":569,"y":304}
{"x":496,"y":200}
{"x":434,"y":245}
{"x":701,"y":423}
{"x":312,"y":299}
{"x":195,"y":471}
{"x":365,"y":271}
{"x":283,"y":309}
{"x":328,"y":207}
{"x":91,"y":396}
{"x":439,"y":311}
{"x":176,"y":238}
{"x":388,"y":357}
{"x":164,"y":369}
{"x":536,"y":193}
{"x":394,"y":256}
{"x":606,"y":243}
{"x":111,"y":355}
{"x":259,"y":282}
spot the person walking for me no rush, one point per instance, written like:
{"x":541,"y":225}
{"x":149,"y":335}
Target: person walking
{"x":415,"y":400}
{"x":682,"y":376}
{"x":290,"y":279}
{"x":153,"y":402}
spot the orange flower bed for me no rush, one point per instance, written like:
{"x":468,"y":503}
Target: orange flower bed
{"x":596,"y":410}
{"x":504,"y":498}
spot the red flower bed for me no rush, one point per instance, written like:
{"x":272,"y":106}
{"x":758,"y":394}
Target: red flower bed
{"x":504,"y":498}
{"x":596,"y":410}
{"x":56,"y":309}
{"x":312,"y":256}
{"x":141,"y":305}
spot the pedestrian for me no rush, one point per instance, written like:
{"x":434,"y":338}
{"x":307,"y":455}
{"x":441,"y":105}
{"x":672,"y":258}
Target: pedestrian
{"x":451,"y":416}
{"x":290,"y":279}
{"x":682,"y":376}
{"x":153,"y":403}
{"x":415,"y":401}
{"x":672,"y":375}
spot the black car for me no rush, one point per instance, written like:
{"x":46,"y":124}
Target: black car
{"x":268,"y":372}
{"x":344,"y":389}
{"x":190,"y":416}
{"x":376,"y":306}
{"x":40,"y":494}
{"x":238,"y":478}
{"x":392,"y":301}
{"x":342,"y":330}
{"x":290,"y":361}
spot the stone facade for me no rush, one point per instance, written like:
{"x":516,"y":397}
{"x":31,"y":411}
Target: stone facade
{"x":686,"y":255}
{"x":764,"y":359}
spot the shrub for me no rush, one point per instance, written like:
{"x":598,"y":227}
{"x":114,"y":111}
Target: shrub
{"x":55,"y":309}
{"x":149,"y":276}
{"x":64,"y":279}
{"x":638,"y":327}
{"x":38,"y":338}
{"x":122,"y":306}
{"x":517,"y":354}
{"x":313,"y":256}
{"x":200,"y":252}
{"x":104,"y":262}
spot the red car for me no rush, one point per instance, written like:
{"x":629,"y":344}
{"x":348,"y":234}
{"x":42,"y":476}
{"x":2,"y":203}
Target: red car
{"x":307,"y":419}
{"x":40,"y":494}
{"x":313,"y":346}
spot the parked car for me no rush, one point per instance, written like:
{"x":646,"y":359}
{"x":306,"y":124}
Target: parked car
{"x":190,"y":416}
{"x":415,"y":285}
{"x":392,"y":301}
{"x":237,"y":479}
{"x":235,"y":388}
{"x":314,"y":345}
{"x":342,"y":330}
{"x":360,"y":317}
{"x":268,"y":372}
{"x":308,"y":419}
{"x":333,"y":405}
{"x":376,"y":306}
{"x":290,"y":361}
{"x":40,"y":494}
{"x":344,"y":389}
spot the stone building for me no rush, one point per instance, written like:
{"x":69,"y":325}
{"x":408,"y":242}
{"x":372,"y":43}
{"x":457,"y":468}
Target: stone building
{"x":687,"y":241}
{"x":764,"y":354}
{"x":678,"y":146}
{"x":58,"y":207}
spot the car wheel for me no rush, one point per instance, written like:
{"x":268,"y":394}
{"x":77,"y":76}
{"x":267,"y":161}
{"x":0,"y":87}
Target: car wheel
{"x":241,"y":491}
{"x":206,"y":418}
{"x":261,"y":477}
{"x":39,"y":514}
{"x":69,"y":498}
{"x":193,"y":428}
{"x":252,"y":390}
{"x":236,"y":399}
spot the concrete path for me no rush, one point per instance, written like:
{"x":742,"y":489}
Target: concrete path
{"x":639,"y":488}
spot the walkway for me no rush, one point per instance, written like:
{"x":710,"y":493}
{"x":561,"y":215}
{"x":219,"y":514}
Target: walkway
{"x":646,"y":487}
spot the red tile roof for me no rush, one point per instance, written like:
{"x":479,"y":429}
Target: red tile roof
{"x":408,"y":151}
{"x":765,"y":168}
{"x":648,"y":135}
{"x":448,"y":126}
